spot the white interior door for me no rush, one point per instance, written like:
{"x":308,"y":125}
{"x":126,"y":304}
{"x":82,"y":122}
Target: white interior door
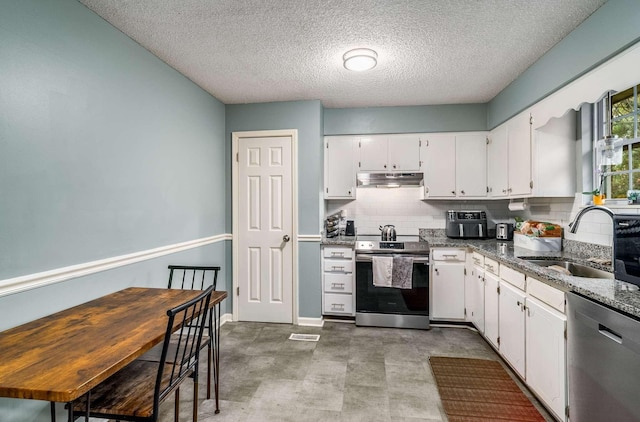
{"x":264,"y":228}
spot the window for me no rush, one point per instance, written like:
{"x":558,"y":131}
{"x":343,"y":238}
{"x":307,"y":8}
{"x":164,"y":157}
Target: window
{"x":618,"y":115}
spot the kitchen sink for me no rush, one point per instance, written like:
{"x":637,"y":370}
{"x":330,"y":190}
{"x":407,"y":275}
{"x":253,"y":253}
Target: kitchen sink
{"x":576,"y":270}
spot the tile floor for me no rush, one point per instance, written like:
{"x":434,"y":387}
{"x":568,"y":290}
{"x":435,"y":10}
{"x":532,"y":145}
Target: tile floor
{"x":351,"y":374}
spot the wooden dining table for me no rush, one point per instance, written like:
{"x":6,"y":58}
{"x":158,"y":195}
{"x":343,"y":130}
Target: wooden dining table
{"x":60,"y":357}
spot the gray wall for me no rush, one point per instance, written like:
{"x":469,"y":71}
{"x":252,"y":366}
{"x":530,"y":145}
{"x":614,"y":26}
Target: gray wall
{"x":306,"y":117}
{"x":413,"y":119}
{"x":104,"y":151}
{"x":605,"y":33}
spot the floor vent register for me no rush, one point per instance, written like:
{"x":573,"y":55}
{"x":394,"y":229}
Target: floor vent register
{"x":304,"y":337}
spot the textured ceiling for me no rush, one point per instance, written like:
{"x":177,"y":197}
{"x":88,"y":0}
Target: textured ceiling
{"x":429,"y":51}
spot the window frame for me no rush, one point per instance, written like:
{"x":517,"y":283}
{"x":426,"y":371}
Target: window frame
{"x":603,"y":122}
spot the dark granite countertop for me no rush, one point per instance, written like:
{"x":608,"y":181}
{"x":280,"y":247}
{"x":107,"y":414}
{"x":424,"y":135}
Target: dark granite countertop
{"x":616,"y":294}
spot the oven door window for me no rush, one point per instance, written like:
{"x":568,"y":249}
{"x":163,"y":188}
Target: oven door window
{"x":389,"y":300}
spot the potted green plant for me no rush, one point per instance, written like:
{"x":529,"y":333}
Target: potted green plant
{"x":597,"y":195}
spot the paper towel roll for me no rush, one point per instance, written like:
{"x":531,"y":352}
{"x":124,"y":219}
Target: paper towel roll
{"x":517,"y":206}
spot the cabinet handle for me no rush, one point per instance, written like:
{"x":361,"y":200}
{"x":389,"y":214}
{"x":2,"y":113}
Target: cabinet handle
{"x":453,"y":192}
{"x":337,"y":253}
{"x":436,"y":270}
{"x":385,"y":166}
{"x":394,"y":166}
{"x":462,"y":192}
{"x":337,"y":286}
{"x":504,"y":191}
{"x":336,"y":268}
{"x":337,"y":306}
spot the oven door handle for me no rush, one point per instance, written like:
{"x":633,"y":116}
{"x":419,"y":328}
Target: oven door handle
{"x":417,"y":259}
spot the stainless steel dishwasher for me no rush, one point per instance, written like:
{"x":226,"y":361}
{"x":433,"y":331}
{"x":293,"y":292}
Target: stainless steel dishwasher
{"x":604,"y":363}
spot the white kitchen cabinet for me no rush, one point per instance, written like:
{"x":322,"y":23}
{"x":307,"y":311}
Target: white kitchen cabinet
{"x":339,"y":167}
{"x":523,"y":162}
{"x":498,"y":163}
{"x":440,"y":166}
{"x":512,"y":326}
{"x":474,"y":297}
{"x":389,"y":153}
{"x":338,"y":264}
{"x":455,"y":165}
{"x":546,"y":364}
{"x":491,"y":308}
{"x":519,"y":153}
{"x":471,"y":165}
{"x":447,"y":284}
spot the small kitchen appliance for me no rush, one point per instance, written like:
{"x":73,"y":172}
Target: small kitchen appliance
{"x":388,"y":233}
{"x":466,"y":224}
{"x":350,"y":229}
{"x":504,"y":231}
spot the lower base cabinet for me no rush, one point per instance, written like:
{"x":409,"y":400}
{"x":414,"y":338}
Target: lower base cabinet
{"x":546,"y":355}
{"x":491,"y":285}
{"x":512,"y":326}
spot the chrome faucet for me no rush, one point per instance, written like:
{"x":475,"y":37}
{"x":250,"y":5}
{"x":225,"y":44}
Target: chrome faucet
{"x":573,"y":226}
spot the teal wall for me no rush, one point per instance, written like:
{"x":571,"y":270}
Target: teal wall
{"x":412,"y":119}
{"x":306,"y":117}
{"x":104,"y":151}
{"x":605,"y":33}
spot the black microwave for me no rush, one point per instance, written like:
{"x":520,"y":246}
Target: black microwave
{"x":626,"y":247}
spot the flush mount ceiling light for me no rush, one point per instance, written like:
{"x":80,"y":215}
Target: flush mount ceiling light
{"x":360,"y":59}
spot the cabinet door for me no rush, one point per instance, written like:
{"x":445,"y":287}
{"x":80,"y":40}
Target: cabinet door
{"x":471,"y":166}
{"x":404,"y":152}
{"x":491,"y":329}
{"x":440,"y":166}
{"x":546,"y":355}
{"x":519,"y":151}
{"x":511,"y":326}
{"x":447,"y":291}
{"x":474,"y":297}
{"x":498,"y":163}
{"x":339,"y":167}
{"x":373,"y":153}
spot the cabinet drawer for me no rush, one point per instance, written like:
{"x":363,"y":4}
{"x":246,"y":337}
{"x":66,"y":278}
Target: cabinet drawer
{"x":448,"y":254}
{"x":512,"y":276}
{"x":338,"y":283}
{"x":338,"y":303}
{"x":338,"y":265}
{"x":547,"y":294}
{"x":491,"y":266}
{"x":477,"y":259}
{"x":334,"y":252}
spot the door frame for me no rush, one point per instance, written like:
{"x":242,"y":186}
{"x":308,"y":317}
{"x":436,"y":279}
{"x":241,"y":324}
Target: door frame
{"x":235,"y":137}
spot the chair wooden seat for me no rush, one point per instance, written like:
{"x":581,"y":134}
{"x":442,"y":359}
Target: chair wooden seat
{"x":128,"y":393}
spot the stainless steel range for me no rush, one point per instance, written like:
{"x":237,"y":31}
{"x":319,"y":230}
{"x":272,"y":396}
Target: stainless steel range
{"x":394,"y":304}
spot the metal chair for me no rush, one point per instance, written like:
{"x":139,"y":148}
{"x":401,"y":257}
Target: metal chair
{"x":197,"y":278}
{"x":135,"y":392}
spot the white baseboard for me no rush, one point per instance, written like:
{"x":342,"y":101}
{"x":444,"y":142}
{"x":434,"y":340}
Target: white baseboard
{"x":226,"y":318}
{"x":311,"y":322}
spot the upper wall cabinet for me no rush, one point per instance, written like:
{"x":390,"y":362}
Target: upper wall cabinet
{"x":524,"y":163}
{"x":389,"y":153}
{"x":509,"y":159}
{"x":339,"y":167}
{"x":455,"y":165}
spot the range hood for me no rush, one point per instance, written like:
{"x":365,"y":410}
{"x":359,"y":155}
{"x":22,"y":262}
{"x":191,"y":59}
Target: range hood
{"x":389,"y":180}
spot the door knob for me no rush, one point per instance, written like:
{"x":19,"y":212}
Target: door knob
{"x":286,"y":238}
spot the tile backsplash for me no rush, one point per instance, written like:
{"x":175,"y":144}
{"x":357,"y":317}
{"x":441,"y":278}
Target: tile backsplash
{"x":405,"y":209}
